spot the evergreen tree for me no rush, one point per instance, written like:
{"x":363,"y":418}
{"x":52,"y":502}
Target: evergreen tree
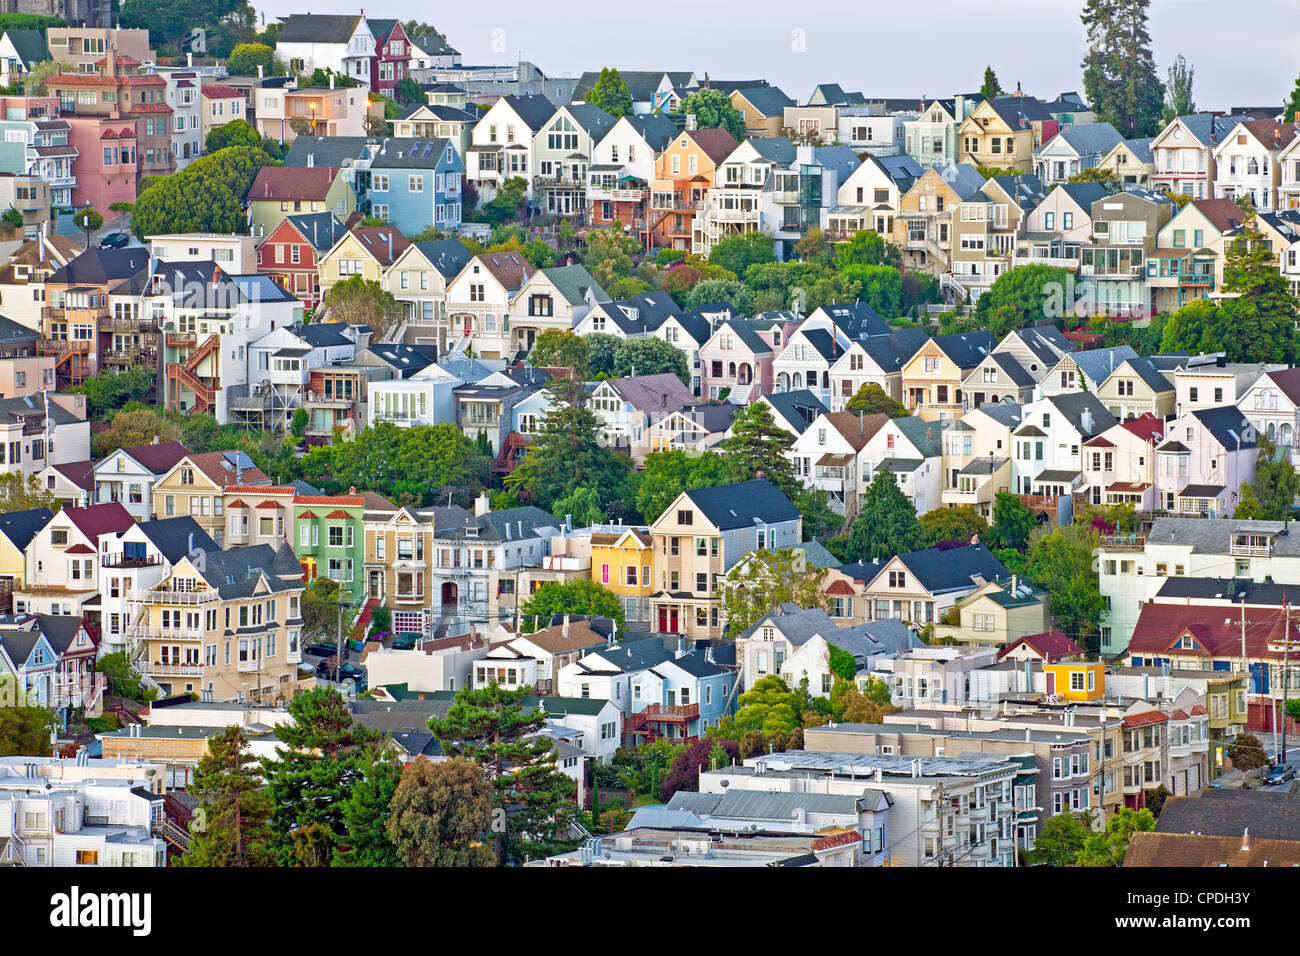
{"x":1178,"y":92}
{"x":991,"y":89}
{"x":1119,"y":73}
{"x":712,"y":108}
{"x":611,"y":94}
{"x":232,"y":827}
{"x":366,"y":813}
{"x":871,"y":400}
{"x":1292,"y":108}
{"x":1012,"y":522}
{"x":885,"y":526}
{"x":312,"y":777}
{"x":490,"y":727}
{"x":566,"y":455}
{"x":441,"y":813}
{"x":759,"y":444}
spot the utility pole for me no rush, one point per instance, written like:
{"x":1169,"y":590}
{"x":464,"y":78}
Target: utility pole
{"x":1286,"y":675}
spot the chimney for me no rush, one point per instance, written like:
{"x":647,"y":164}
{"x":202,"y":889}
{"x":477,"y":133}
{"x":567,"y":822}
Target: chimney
{"x":331,"y":79}
{"x":189,"y":59}
{"x":565,"y":630}
{"x":1245,"y":839}
{"x":482,"y":505}
{"x":259,"y":71}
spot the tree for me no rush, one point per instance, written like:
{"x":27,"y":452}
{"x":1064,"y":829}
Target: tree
{"x":1247,"y":753}
{"x":310,"y":780}
{"x":583,"y":506}
{"x":490,"y":727}
{"x":1119,"y":72}
{"x":953,"y":524}
{"x":88,"y":220}
{"x":733,"y":293}
{"x":1108,"y":847}
{"x":34,"y":82}
{"x":769,"y":706}
{"x":866,"y":248}
{"x":611,"y":94}
{"x":758,"y":445}
{"x":505,"y":205}
{"x":1155,"y":799}
{"x":713,"y":109}
{"x":1097,"y":174}
{"x":133,"y":424}
{"x":667,"y":474}
{"x":566,"y":455}
{"x":871,"y":399}
{"x":1261,"y":318}
{"x":409,"y":92}
{"x":298,"y":424}
{"x":600,"y":353}
{"x":886,"y":524}
{"x":1276,"y":486}
{"x":360,"y":301}
{"x":12,"y":218}
{"x":881,"y":287}
{"x":1032,"y":294}
{"x":23,"y":494}
{"x":684,"y":774}
{"x":991,"y":89}
{"x":1061,"y":562}
{"x":245,"y":58}
{"x":234,"y":826}
{"x":440,"y":813}
{"x":205,"y":196}
{"x":235,"y":133}
{"x":1178,"y":91}
{"x":24,"y":731}
{"x":764,"y":580}
{"x":651,"y":356}
{"x":737,"y":253}
{"x":1013,"y":521}
{"x":168,"y":20}
{"x":1060,"y":841}
{"x":559,"y":348}
{"x":1292,"y":107}
{"x":570,"y":597}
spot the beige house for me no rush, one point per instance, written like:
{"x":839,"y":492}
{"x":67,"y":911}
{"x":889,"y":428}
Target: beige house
{"x":923,"y":229}
{"x":1059,"y":226}
{"x":22,"y":279}
{"x":933,"y":377}
{"x":228,"y":623}
{"x":367,"y":252}
{"x":1138,"y":387}
{"x":872,"y":195}
{"x":1000,"y":134}
{"x":985,"y":230}
{"x":998,"y":614}
{"x":1130,"y":161}
{"x":197,"y":484}
{"x":1119,"y":465}
{"x":279,"y":192}
{"x":399,"y":552}
{"x":977,"y":456}
{"x":79,"y":49}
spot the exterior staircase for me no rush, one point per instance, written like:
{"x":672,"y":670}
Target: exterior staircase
{"x":186,"y":373}
{"x":949,"y":285}
{"x":358,"y":632}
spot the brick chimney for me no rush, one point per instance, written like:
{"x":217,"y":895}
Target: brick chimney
{"x":1245,"y":839}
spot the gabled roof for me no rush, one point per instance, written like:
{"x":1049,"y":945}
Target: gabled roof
{"x":1073,"y":405}
{"x":100,"y":519}
{"x":510,"y":269}
{"x":1012,"y":368}
{"x":411,"y":153}
{"x":715,"y":143}
{"x":857,"y":320}
{"x":743,"y":505}
{"x":1097,"y":365}
{"x":321,"y":229}
{"x":952,"y":569}
{"x":96,"y":267}
{"x":1019,"y":111}
{"x":773,"y":149}
{"x":21,"y":526}
{"x":80,"y":473}
{"x":857,"y":430}
{"x":1270,"y":133}
{"x":649,"y":393}
{"x":1051,"y":646}
{"x":966,"y":349}
{"x":177,"y":537}
{"x":1085,"y":194}
{"x":799,"y":408}
{"x":326,"y":151}
{"x":1227,"y":813}
{"x":1228,"y":426}
{"x":385,"y":243}
{"x":318,"y":28}
{"x":768,"y":100}
{"x":655,"y":128}
{"x":534,"y":110}
{"x":299,"y":183}
{"x":574,"y":282}
{"x":29,"y":45}
{"x":926,"y":436}
{"x":962,"y":178}
{"x":448,"y":256}
{"x":1088,"y":139}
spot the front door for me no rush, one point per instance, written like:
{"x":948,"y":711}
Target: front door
{"x":376,"y":584}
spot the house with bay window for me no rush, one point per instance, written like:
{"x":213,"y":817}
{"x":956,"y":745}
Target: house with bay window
{"x":1185,"y":153}
{"x":62,"y":561}
{"x":501,"y":144}
{"x":557,"y":299}
{"x":418,"y":279}
{"x":562,"y":151}
{"x":127,"y":475}
{"x":1272,"y":405}
{"x":328,"y":536}
{"x":291,"y":253}
{"x":1247,"y":162}
{"x":415,"y":184}
{"x":478,"y":303}
{"x":1205,"y":458}
{"x":919,"y":586}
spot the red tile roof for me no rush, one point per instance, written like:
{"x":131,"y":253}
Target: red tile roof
{"x":262,"y":489}
{"x":292,"y":182}
{"x":337,"y":513}
{"x":270,"y":504}
{"x":1148,"y":717}
{"x":347,"y":501}
{"x":840,"y":839}
{"x":238,"y":503}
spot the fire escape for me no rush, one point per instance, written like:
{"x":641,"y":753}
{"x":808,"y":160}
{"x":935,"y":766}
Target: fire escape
{"x":186,"y":374}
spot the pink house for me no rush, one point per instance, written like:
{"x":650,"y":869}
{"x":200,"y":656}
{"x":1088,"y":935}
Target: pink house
{"x":738,"y":356}
{"x":1205,"y":458}
{"x":107,"y":165}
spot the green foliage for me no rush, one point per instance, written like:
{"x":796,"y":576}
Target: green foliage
{"x":366,"y":811}
{"x":601,"y":348}
{"x":611,"y":94}
{"x":409,"y":92}
{"x":960,"y":523}
{"x":1178,"y":92}
{"x":236,"y":817}
{"x":583,"y":505}
{"x":570,"y":597}
{"x":395,"y":462}
{"x":168,"y":20}
{"x":885,"y":526}
{"x":29,"y":21}
{"x":559,"y":348}
{"x":34,"y":82}
{"x":758,"y":444}
{"x":1062,"y":838}
{"x":768,"y":707}
{"x":713,"y":109}
{"x":871,"y":399}
{"x":1021,"y":297}
{"x":360,"y":301}
{"x":12,"y":218}
{"x":205,"y":196}
{"x":737,"y":253}
{"x":1119,"y":72}
{"x":651,"y":356}
{"x":1155,"y":799}
{"x":608,"y":256}
{"x":245,"y":58}
{"x":88,"y":219}
{"x":235,"y":133}
{"x":1013,"y":522}
{"x":381,"y":620}
{"x":1276,"y":486}
{"x":1292,"y":107}
{"x":842,"y":663}
{"x":122,"y":681}
{"x":441,"y":813}
{"x":24,"y":731}
{"x":764,"y":580}
{"x":881,"y":287}
{"x":866,"y":248}
{"x":991,"y":89}
{"x":668,"y":473}
{"x":735,"y":294}
{"x":505,"y":205}
{"x":108,"y":392}
{"x":1061,"y":562}
{"x":1247,"y":753}
{"x":1108,"y":847}
{"x":298,"y":424}
{"x":490,"y":727}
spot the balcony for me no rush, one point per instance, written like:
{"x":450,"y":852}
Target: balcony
{"x":180,"y":340}
{"x":732,"y":215}
{"x":251,"y":667}
{"x":558,"y":182}
{"x":130,"y":561}
{"x":110,"y":323}
{"x":154,"y":632}
{"x":1123,"y":542}
{"x":63,"y":347}
{"x":152,"y":669}
{"x":171,"y":597}
{"x":1203,"y":280}
{"x":661,"y":204}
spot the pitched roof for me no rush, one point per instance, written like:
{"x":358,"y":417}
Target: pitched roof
{"x":1226,"y":813}
{"x":967,"y":349}
{"x":80,"y":473}
{"x":229,"y":468}
{"x":768,"y":100}
{"x":857,"y":430}
{"x":1050,"y":645}
{"x":1228,"y":426}
{"x":799,"y":408}
{"x":1085,"y":194}
{"x":385,"y":243}
{"x":100,"y":519}
{"x":574,"y":282}
{"x":1089,"y":138}
{"x":411,"y":153}
{"x":938,"y":570}
{"x":29,"y":45}
{"x":278,"y":183}
{"x":1288,"y":382}
{"x":321,"y":229}
{"x":509,"y":268}
{"x":715,"y":143}
{"x":98,"y":267}
{"x":21,"y":526}
{"x":647,"y":393}
{"x":1215,"y":629}
{"x":157,"y":457}
{"x":534,"y":110}
{"x":326,"y":151}
{"x":743,"y":505}
{"x":177,"y":537}
{"x":448,"y":256}
{"x":1199,"y":850}
{"x":1097,"y":365}
{"x":1271,"y":133}
{"x":318,"y":28}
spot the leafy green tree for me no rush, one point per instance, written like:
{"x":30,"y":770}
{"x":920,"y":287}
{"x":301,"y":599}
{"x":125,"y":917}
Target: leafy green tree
{"x":991,"y":89}
{"x":35,"y":81}
{"x":886,"y":524}
{"x":559,"y":348}
{"x":583,"y":506}
{"x":1276,"y":486}
{"x":505,"y":205}
{"x":1108,"y":847}
{"x":298,"y":424}
{"x":108,"y":392}
{"x":668,"y":473}
{"x":490,"y":727}
{"x":867,"y":248}
{"x":881,"y":288}
{"x":245,"y":58}
{"x":759,"y":445}
{"x":570,"y":597}
{"x":566,"y":455}
{"x":733,"y":293}
{"x":611,"y":94}
{"x":713,"y":109}
{"x":360,"y":301}
{"x":1119,"y":72}
{"x":88,"y":220}
{"x":168,"y":20}
{"x":440,"y":814}
{"x":737,"y":253}
{"x":1013,"y":522}
{"x":1261,"y":317}
{"x":684,"y":774}
{"x":1178,"y":91}
{"x":953,"y":524}
{"x":1033,"y":294}
{"x":1096,"y":174}
{"x":600,"y":353}
{"x":205,"y":196}
{"x":22,"y":494}
{"x":651,"y":356}
{"x":122,"y":681}
{"x":24,"y":731}
{"x":234,"y":828}
{"x":1247,"y":753}
{"x":871,"y":399}
{"x":12,"y":218}
{"x":1061,"y":840}
{"x":409,"y":92}
{"x":1155,"y":799}
{"x":1061,"y":562}
{"x":235,"y":133}
{"x":763,"y":580}
{"x":769,"y":706}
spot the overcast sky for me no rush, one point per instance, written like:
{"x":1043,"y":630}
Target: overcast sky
{"x":893,"y":48}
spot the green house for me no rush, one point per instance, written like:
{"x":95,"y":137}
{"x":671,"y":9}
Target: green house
{"x":329,"y":540}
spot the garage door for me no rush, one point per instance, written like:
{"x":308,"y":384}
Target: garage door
{"x":1194,"y":778}
{"x":408,"y":622}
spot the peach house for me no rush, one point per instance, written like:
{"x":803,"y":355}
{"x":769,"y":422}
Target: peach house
{"x":738,"y":357}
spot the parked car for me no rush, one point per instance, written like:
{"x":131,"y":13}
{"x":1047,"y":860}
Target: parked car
{"x":329,"y":671}
{"x":405,"y":641}
{"x":325,"y":650}
{"x":115,"y":240}
{"x":1279,"y":773}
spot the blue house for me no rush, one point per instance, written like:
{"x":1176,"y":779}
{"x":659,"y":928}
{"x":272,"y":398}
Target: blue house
{"x":415,"y":183}
{"x":680,"y":698}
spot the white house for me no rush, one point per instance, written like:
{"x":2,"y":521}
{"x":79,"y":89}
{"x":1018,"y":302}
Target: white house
{"x":913,"y":450}
{"x":62,"y":560}
{"x":1047,"y":447}
{"x":127,"y":475}
{"x":1246,"y":162}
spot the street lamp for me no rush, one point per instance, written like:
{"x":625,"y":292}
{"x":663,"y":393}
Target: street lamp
{"x":312,"y":106}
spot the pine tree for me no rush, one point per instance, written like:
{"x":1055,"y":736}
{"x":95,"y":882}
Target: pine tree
{"x":366,"y":813}
{"x":566,"y":455}
{"x":991,"y":89}
{"x":887,"y":524}
{"x":1119,"y":73}
{"x":1178,"y":93}
{"x":1292,"y":108}
{"x":232,"y":827}
{"x":490,"y":727}
{"x":758,"y":444}
{"x":611,"y":94}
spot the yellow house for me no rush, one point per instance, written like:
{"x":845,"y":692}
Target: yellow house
{"x":1137,"y":388}
{"x":1076,"y":680}
{"x":367,"y":252}
{"x":279,"y":192}
{"x":998,"y":614}
{"x":1130,"y":161}
{"x":933,"y":376}
{"x":623,"y":563}
{"x":17,"y":528}
{"x":998,"y":133}
{"x":196,"y":486}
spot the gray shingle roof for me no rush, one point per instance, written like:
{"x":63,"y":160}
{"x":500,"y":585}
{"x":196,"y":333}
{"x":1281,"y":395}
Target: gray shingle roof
{"x":333,"y":152}
{"x":1088,"y":139}
{"x":448,"y":256}
{"x":318,"y":28}
{"x":1005,"y":413}
{"x":411,"y":153}
{"x":1097,"y":365}
{"x":743,"y":505}
{"x":175,"y":537}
